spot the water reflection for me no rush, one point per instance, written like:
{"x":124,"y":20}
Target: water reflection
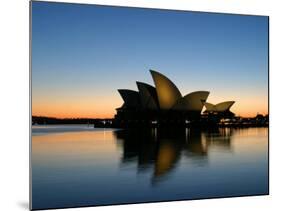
{"x":78,"y":168}
{"x":161,"y":150}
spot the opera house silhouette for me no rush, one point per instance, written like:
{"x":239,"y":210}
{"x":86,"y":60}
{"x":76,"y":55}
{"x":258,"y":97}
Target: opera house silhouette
{"x":165,"y":105}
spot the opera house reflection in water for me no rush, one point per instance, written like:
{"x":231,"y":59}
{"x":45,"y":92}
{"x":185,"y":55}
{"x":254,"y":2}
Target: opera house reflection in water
{"x":160,"y":150}
{"x":145,"y":165}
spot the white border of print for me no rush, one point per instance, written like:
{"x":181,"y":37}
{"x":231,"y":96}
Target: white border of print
{"x":14,"y":86}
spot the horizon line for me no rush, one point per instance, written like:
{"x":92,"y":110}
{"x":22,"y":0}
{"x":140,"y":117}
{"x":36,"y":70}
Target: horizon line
{"x":113,"y":117}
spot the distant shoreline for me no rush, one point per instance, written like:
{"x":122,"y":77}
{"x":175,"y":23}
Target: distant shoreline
{"x":110,"y":123}
{"x":40,"y":120}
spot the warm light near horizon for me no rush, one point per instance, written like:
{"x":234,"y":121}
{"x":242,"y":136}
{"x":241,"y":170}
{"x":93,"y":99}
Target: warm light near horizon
{"x":105,"y":108}
{"x":76,"y":108}
{"x":93,"y":103}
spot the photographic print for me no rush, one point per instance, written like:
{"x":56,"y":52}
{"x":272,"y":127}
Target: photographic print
{"x":134,"y":105}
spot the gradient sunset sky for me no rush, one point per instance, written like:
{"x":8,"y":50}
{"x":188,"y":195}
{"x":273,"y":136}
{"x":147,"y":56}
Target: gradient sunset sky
{"x":81,"y":55}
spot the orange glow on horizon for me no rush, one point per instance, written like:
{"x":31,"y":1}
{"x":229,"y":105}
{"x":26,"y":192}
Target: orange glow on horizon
{"x":105,"y":106}
{"x":82,"y":112}
{"x":83,"y":107}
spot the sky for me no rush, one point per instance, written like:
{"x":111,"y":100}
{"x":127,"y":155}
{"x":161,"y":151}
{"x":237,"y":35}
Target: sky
{"x":81,"y":55}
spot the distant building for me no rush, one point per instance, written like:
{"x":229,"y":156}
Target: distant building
{"x":164,"y":104}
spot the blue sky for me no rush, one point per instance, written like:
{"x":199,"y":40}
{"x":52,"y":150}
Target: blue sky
{"x":87,"y":52}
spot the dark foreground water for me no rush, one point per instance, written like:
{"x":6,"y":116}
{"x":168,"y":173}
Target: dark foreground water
{"x":81,"y":166}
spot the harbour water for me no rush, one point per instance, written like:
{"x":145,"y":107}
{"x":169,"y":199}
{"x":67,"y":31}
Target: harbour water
{"x":83,"y":166}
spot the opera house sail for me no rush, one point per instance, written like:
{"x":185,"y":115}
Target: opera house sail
{"x":148,"y":96}
{"x":163,"y":104}
{"x":167,"y":92}
{"x":219,"y":110}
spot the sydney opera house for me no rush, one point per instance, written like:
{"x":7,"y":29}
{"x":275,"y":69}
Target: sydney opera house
{"x":164,"y":104}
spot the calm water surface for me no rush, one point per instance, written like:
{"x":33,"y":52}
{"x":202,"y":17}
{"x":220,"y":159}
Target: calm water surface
{"x":81,"y":166}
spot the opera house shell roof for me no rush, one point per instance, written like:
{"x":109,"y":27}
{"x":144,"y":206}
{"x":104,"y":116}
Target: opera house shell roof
{"x":167,"y":92}
{"x":166,"y":96}
{"x":220,"y":107}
